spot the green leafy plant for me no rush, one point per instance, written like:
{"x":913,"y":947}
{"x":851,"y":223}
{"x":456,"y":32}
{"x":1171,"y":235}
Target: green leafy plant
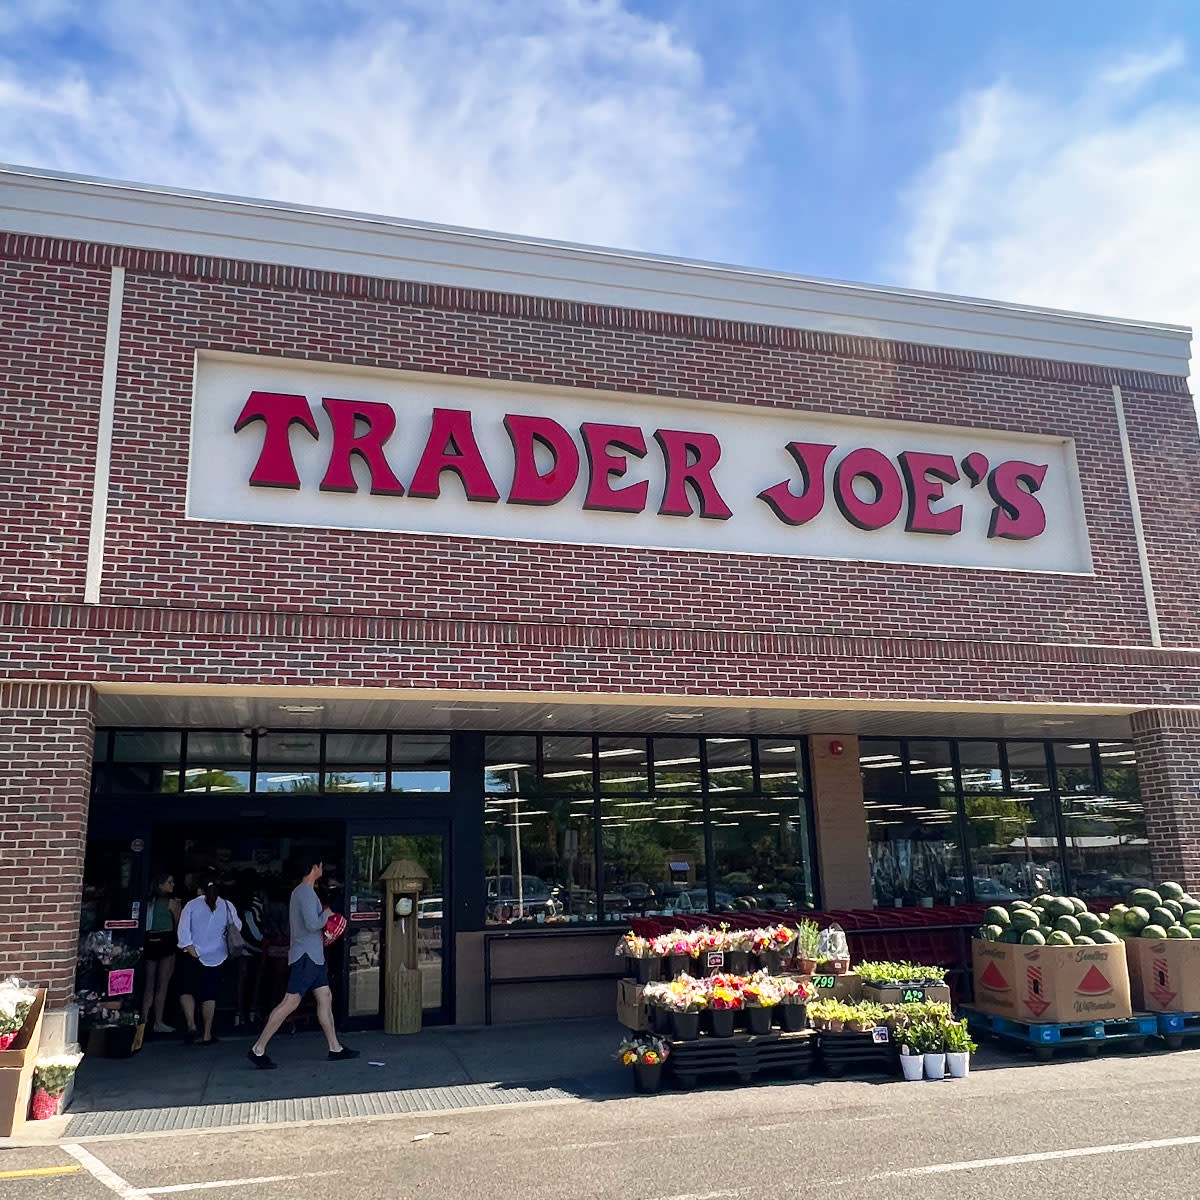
{"x":883,"y":974}
{"x":51,"y":1074}
{"x":808,"y":937}
{"x":958,"y":1038}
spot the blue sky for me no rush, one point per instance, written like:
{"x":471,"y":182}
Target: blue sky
{"x":1046,"y":153}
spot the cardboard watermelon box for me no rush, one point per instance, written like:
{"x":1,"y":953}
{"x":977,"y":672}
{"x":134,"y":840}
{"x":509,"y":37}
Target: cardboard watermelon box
{"x":1164,"y":975}
{"x":1051,"y":984}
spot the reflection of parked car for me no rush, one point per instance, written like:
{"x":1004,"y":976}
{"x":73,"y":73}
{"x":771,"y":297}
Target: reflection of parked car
{"x":429,"y":908}
{"x":536,"y":898}
{"x":992,"y":889}
{"x":676,"y":899}
{"x":724,"y":901}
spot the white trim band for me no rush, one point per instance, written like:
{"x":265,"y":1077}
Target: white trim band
{"x":104,"y":439}
{"x":1135,"y":507}
{"x":48,"y":204}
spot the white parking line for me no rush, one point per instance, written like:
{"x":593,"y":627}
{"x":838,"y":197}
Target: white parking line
{"x":102,"y":1174}
{"x":127,"y":1191}
{"x":1044,"y":1156}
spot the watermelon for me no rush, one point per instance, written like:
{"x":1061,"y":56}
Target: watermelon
{"x":1031,"y":937}
{"x":1162,"y":916}
{"x":1084,"y":940}
{"x":1178,"y":931}
{"x":1068,"y":925}
{"x":1059,"y":938}
{"x":1088,"y":922}
{"x":990,"y":933}
{"x":1192,"y":916}
{"x":1105,"y":937}
{"x":1154,"y":931}
{"x":1020,"y":904}
{"x":1060,"y":906}
{"x":1118,"y":910}
{"x":1022,"y":920}
{"x":1077,"y":904}
{"x":1136,"y":919}
{"x":1175,"y":907}
{"x":1144,"y":898}
{"x":996,"y":915}
{"x":1171,"y":891}
{"x":1045,"y":930}
{"x":1010,"y":935}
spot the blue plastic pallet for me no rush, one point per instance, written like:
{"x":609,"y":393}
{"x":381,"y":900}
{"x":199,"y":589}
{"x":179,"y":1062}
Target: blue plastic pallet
{"x":1174,"y":1027}
{"x":1046,"y":1038}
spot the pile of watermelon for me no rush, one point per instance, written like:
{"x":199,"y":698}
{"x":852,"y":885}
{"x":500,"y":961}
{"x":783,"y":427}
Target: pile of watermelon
{"x":1162,"y":912}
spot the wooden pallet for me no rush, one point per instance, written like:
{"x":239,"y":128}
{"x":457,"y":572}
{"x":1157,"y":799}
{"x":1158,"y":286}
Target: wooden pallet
{"x":744,"y":1056}
{"x":1174,"y":1027}
{"x":1045,"y":1039}
{"x":841,"y":1054}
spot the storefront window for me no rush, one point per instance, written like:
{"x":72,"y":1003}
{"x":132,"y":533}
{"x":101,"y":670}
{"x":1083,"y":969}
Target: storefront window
{"x":217,"y":762}
{"x":1105,"y":829}
{"x":566,"y":764}
{"x":781,"y":767}
{"x":510,"y":764}
{"x":420,"y":762}
{"x":676,"y":766}
{"x":760,"y":854}
{"x":540,"y":861}
{"x":623,"y":765}
{"x":1013,"y":837}
{"x":651,"y":849}
{"x":912,"y":822}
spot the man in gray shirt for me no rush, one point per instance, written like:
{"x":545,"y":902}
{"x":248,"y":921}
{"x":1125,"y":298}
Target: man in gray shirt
{"x":306,"y":959}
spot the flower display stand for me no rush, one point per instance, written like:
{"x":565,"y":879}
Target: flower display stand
{"x":743,"y":1055}
{"x":16,"y":1069}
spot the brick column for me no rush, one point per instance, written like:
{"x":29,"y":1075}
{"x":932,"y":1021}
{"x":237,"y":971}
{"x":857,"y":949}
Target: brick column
{"x":46,"y":736}
{"x":1167,"y":744}
{"x":841,"y":832}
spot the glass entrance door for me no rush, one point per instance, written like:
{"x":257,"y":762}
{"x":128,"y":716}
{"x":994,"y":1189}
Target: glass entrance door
{"x":372,"y":850}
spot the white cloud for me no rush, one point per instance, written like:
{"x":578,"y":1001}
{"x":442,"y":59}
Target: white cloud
{"x":1084,"y":203}
{"x":571,"y":119}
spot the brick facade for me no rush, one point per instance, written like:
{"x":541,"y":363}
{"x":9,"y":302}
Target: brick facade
{"x":45,"y":765}
{"x":193,"y":602}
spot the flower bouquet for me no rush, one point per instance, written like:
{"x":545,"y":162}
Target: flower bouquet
{"x":16,"y":1000}
{"x":725,"y":1001}
{"x":682,"y":999}
{"x":645,"y":1053}
{"x":771,"y":943}
{"x":642,"y":963}
{"x":737,"y":944}
{"x":50,"y":1078}
{"x":760,"y":995}
{"x":676,"y":949}
{"x":794,"y":996}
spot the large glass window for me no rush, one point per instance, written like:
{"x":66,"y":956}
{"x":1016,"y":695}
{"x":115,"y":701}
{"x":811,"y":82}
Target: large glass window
{"x":1104,"y":826}
{"x":420,"y":762}
{"x":650,"y":795}
{"x":911,"y":800}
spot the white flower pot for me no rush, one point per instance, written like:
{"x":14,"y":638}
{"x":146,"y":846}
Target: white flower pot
{"x":912,"y":1065}
{"x":935,"y":1066}
{"x":958,"y":1063}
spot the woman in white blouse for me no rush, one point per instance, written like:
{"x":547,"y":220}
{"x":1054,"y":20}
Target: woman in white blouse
{"x":202,"y":928}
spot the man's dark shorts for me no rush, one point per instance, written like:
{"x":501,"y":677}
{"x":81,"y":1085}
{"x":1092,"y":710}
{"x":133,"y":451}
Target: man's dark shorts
{"x":305,"y":976}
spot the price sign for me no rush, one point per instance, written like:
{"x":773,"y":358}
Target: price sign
{"x":912,"y":995}
{"x":714,"y":960}
{"x":823,"y":981}
{"x":880,"y":1033}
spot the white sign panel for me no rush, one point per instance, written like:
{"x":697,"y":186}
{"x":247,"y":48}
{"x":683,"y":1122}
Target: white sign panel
{"x":285,"y":442}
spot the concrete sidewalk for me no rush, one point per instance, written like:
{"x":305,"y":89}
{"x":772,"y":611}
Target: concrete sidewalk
{"x":170,"y":1086}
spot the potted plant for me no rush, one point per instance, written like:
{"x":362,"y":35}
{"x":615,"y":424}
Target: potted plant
{"x":912,"y":1050}
{"x":959,"y":1047}
{"x":645,"y":1053}
{"x":808,"y":938}
{"x":932,"y":1038}
{"x":737,"y":943}
{"x":51,"y":1075}
{"x":760,"y":996}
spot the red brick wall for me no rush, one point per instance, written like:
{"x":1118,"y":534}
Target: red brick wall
{"x":52,"y":321}
{"x":1167,"y":745}
{"x":197,"y":602}
{"x":45,"y":764}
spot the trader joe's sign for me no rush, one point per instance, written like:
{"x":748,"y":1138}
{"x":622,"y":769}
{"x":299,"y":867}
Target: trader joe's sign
{"x":284,"y":442}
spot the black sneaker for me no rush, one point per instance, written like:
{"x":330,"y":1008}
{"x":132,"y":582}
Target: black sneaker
{"x":261,"y":1061}
{"x":189,"y":1037}
{"x":342,"y":1054}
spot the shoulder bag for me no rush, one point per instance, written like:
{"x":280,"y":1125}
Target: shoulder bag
{"x":234,"y":942}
